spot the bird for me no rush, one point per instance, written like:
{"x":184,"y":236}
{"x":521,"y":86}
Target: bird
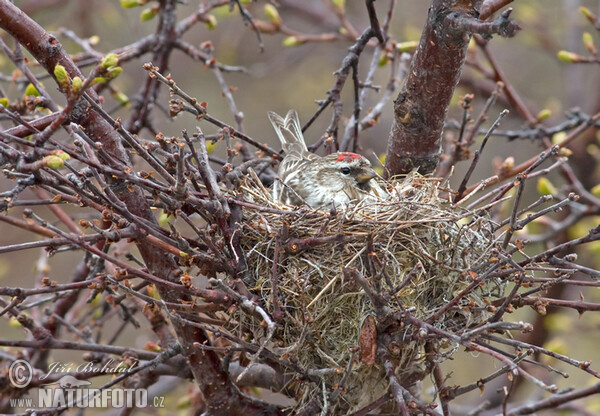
{"x":322,"y":182}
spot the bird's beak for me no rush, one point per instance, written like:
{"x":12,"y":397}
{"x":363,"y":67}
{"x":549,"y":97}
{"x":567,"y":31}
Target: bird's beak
{"x":365,"y":176}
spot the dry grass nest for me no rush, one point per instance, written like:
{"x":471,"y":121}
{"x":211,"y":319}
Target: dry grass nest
{"x":408,"y":228}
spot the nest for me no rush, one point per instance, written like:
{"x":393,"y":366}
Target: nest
{"x":408,"y":242}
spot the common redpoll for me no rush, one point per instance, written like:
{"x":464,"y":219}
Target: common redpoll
{"x":321,"y":182}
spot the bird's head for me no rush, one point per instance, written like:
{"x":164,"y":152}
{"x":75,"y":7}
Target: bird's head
{"x":343,"y":170}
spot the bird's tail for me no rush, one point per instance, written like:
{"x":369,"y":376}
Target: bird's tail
{"x":289,"y":131}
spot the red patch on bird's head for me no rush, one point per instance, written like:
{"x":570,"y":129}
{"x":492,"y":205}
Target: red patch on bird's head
{"x":348,"y":157}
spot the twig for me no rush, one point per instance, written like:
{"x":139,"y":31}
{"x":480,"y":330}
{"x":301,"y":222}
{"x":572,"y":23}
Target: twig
{"x":555,"y":401}
{"x":463,"y":185}
{"x":489,"y":7}
{"x":457,"y":391}
{"x":397,"y":391}
{"x":254,"y":309}
{"x":247,"y":18}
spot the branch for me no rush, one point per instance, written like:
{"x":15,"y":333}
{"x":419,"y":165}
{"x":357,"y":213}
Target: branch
{"x":555,"y":401}
{"x":489,"y":7}
{"x":421,"y":106}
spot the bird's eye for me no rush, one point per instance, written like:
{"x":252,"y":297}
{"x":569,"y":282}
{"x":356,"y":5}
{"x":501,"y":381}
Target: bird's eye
{"x":346,"y":171}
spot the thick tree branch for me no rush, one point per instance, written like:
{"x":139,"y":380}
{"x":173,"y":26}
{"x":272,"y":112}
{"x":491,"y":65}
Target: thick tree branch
{"x":421,"y":106}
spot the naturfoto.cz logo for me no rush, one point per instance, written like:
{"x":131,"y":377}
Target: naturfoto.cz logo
{"x":71,"y":390}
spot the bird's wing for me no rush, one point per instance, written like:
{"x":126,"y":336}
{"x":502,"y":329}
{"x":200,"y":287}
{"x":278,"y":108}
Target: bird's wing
{"x":289,"y":132}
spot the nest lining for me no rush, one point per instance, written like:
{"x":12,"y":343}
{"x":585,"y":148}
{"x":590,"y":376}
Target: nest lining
{"x":384,"y":238}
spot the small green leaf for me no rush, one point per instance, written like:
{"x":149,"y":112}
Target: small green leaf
{"x":113,"y":72}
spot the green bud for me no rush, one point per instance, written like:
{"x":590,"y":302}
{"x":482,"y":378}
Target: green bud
{"x":565,"y":152}
{"x":4,"y":102}
{"x":211,"y":146}
{"x":62,"y":155}
{"x":113,"y":72}
{"x":292,"y":41}
{"x":94,"y":40}
{"x":153,"y":292}
{"x":54,"y":162}
{"x":164,"y":219}
{"x":557,"y":138}
{"x":109,"y":60}
{"x":508,"y":164}
{"x":272,"y":14}
{"x":407,"y":46}
{"x":130,"y":3}
{"x":588,"y":41}
{"x":13,"y":322}
{"x":383,"y":59}
{"x":568,"y":57}
{"x":31,"y":90}
{"x":543,"y":114}
{"x":148,"y":14}
{"x":545,"y":187}
{"x":588,"y":14}
{"x":61,"y":75}
{"x":595,"y":190}
{"x":98,"y":80}
{"x":211,"y":22}
{"x":76,"y":84}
